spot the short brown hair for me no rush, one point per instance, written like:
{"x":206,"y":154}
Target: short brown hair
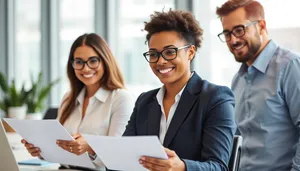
{"x":176,"y":20}
{"x":112,"y":78}
{"x":253,"y":8}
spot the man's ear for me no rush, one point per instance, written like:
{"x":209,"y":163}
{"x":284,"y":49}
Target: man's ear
{"x":263,"y":25}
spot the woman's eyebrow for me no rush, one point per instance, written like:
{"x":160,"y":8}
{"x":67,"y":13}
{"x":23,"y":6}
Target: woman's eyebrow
{"x":164,"y":47}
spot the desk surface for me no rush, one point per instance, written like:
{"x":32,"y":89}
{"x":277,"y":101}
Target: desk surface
{"x":21,"y":153}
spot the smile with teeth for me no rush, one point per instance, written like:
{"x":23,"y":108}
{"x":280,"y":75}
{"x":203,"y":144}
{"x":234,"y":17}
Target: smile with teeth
{"x":88,"y":75}
{"x":239,"y":47}
{"x":163,"y":71}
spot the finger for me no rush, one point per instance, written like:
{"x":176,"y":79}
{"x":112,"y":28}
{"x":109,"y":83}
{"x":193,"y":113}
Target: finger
{"x":80,"y":149}
{"x":67,"y":148}
{"x":82,"y":152}
{"x":77,"y":142}
{"x":170,"y":153}
{"x":23,"y":141}
{"x":28,"y":146}
{"x":154,"y":161}
{"x":26,"y":143}
{"x":34,"y":151}
{"x":78,"y":153}
{"x":65,"y":143}
{"x":152,"y":166}
{"x":81,"y":144}
{"x":35,"y":154}
{"x":71,"y":146}
{"x":73,"y":149}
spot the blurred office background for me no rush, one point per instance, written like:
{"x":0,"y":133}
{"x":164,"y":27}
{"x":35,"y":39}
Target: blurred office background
{"x":36,"y":35}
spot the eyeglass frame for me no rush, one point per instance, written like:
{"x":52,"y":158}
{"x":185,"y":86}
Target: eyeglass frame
{"x":86,"y":62}
{"x":160,"y":54}
{"x":238,"y":26}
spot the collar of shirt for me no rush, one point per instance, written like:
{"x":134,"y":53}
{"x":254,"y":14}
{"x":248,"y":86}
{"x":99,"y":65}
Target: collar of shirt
{"x":100,"y":95}
{"x":262,"y":61}
{"x":161,"y":93}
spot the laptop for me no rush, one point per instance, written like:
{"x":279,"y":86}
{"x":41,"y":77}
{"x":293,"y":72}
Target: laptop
{"x":7,"y":158}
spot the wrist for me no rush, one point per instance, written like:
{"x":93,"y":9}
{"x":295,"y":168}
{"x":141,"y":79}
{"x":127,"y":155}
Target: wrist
{"x":91,"y":152}
{"x":92,"y":156}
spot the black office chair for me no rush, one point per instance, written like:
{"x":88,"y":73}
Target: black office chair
{"x":234,"y":161}
{"x":51,"y":113}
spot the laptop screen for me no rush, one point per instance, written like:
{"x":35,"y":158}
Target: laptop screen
{"x":7,"y":158}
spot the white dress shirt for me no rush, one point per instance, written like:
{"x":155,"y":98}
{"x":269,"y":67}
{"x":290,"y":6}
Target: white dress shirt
{"x":107,"y":113}
{"x":164,"y":123}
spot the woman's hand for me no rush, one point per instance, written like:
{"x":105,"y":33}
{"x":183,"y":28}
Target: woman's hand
{"x":34,"y":151}
{"x":173,"y":163}
{"x":77,"y":146}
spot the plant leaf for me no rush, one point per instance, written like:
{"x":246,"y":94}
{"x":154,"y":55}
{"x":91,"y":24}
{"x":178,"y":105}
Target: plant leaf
{"x":3,"y":83}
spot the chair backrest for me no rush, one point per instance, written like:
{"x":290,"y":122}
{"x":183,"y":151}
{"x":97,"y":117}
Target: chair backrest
{"x":51,"y":113}
{"x":234,"y":161}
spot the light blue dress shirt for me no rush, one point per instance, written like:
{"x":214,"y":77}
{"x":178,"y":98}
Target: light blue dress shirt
{"x":267,"y":110}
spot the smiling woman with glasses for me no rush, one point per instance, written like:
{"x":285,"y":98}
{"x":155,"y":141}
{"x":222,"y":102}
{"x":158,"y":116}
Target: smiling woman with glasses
{"x":97,"y":103}
{"x":193,"y":119}
{"x":238,"y":31}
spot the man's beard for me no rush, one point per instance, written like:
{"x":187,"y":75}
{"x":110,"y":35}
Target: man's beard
{"x":252,"y":50}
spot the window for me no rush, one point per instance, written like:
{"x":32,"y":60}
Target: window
{"x":213,"y":61}
{"x":27,"y":57}
{"x":222,"y":66}
{"x":284,"y":29}
{"x":135,"y":69}
{"x":76,"y":18}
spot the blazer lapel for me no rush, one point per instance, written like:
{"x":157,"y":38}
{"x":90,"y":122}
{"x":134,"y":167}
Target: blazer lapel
{"x":185,"y":104}
{"x":154,"y":115}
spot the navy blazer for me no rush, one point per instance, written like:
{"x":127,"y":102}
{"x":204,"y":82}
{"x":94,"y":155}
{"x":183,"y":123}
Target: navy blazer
{"x":202,"y":128}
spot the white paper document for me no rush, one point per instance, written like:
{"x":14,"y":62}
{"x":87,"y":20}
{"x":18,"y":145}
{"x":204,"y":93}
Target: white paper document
{"x":43,"y":134}
{"x":123,"y":153}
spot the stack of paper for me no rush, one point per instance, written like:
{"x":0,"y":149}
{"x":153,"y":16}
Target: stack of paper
{"x":43,"y":134}
{"x":123,"y":153}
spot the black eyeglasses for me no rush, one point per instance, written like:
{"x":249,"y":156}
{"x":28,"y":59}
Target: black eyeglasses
{"x":92,"y":62}
{"x":237,"y":31}
{"x":168,"y":54}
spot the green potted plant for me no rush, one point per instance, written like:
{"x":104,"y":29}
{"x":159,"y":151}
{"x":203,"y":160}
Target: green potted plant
{"x":37,"y":96}
{"x":13,"y":101}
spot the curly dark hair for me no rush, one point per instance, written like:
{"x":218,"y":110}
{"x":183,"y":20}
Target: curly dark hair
{"x":176,"y":20}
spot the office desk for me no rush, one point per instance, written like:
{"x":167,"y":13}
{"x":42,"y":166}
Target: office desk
{"x":21,"y":153}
